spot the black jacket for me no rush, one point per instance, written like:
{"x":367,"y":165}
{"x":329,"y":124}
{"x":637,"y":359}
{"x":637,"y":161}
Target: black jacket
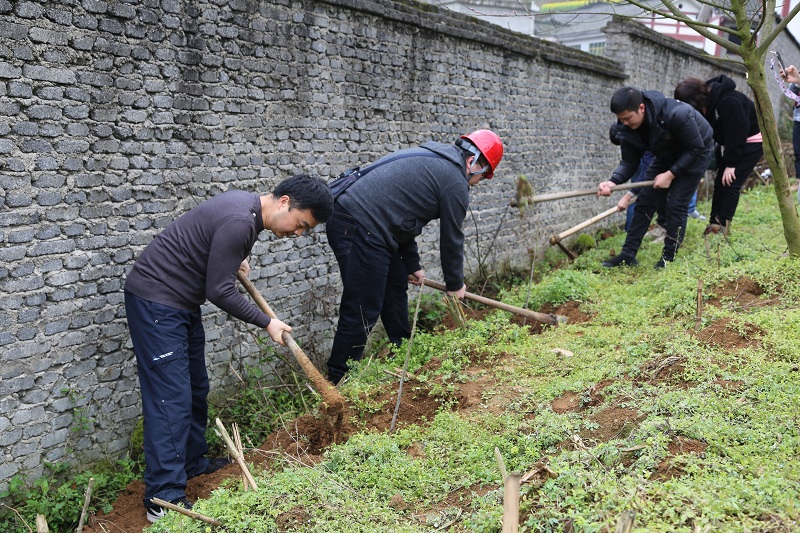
{"x":678,"y":136}
{"x":732,"y":115}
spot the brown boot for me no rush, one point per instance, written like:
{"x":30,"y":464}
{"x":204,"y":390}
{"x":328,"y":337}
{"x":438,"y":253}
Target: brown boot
{"x":713,"y":229}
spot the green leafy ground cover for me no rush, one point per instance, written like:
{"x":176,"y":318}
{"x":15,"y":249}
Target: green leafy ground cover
{"x":689,"y":420}
{"x":638,"y":404}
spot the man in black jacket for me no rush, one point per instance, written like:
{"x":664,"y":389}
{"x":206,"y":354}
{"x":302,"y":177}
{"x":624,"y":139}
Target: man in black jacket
{"x":681,"y":141}
{"x":374,"y":225}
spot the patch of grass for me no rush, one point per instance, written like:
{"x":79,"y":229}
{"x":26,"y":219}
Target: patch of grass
{"x":59,"y":494}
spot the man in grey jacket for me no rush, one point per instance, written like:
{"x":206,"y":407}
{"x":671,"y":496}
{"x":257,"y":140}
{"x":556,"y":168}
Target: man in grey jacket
{"x":681,"y":141}
{"x":374,"y":224}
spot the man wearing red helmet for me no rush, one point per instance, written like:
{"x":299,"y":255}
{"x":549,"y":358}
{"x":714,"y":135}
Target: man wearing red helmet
{"x":375,"y":222}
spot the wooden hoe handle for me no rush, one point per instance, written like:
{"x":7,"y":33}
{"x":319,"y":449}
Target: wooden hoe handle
{"x":545,"y":318}
{"x":586,"y":192}
{"x":332,"y":398}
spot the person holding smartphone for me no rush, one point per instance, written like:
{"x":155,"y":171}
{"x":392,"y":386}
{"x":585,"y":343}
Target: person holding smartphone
{"x":792,"y":75}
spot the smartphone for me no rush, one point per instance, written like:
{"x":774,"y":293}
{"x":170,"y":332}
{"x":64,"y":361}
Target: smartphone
{"x":780,"y":61}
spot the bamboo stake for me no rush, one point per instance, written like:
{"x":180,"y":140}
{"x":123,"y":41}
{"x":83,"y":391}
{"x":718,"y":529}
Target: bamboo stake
{"x":235,"y":453}
{"x":86,"y":499}
{"x":405,"y":363}
{"x":41,"y":524}
{"x":585,"y":192}
{"x":511,"y":503}
{"x":237,"y":440}
{"x":501,"y":464}
{"x":186,"y":512}
{"x":547,"y":318}
{"x":625,"y":522}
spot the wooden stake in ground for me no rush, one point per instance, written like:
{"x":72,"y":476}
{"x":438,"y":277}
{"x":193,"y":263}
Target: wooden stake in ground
{"x":334,"y":401}
{"x":186,"y":512}
{"x":235,"y":453}
{"x":698,"y":317}
{"x":86,"y":499}
{"x":41,"y":524}
{"x":237,"y":440}
{"x":404,"y":373}
{"x":511,"y":503}
{"x":501,"y":464}
{"x":625,"y":522}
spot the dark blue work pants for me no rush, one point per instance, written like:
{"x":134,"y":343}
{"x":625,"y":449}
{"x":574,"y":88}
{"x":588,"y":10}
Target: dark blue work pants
{"x":169,"y":345}
{"x":375,"y":284}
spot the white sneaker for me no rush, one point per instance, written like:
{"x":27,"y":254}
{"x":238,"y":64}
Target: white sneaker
{"x":154,"y":512}
{"x":696,"y":214}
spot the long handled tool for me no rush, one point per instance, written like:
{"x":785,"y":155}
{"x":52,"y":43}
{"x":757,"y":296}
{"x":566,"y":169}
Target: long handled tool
{"x":556,"y":239}
{"x":586,"y":192}
{"x":545,"y":318}
{"x":334,"y":401}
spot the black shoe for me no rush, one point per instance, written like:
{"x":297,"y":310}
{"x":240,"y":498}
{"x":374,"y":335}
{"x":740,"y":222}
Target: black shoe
{"x":154,"y":512}
{"x":215,"y":463}
{"x":620,"y":260}
{"x":662,"y":263}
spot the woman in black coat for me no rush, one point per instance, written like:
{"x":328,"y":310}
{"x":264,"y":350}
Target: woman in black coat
{"x":732,"y":115}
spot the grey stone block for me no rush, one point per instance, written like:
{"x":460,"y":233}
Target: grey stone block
{"x":55,"y":75}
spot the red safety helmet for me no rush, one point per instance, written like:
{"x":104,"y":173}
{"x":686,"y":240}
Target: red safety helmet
{"x":490,"y":145}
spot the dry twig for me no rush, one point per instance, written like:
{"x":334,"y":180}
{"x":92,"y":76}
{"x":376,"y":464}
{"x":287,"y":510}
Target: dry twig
{"x":405,"y":363}
{"x":86,"y":499}
{"x":186,"y":512}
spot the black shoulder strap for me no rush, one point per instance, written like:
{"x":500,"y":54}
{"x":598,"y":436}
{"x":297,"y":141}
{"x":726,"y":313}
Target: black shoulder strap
{"x":395,"y":158}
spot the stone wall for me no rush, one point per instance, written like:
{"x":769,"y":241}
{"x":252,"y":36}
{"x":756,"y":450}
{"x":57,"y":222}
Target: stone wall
{"x":117,"y":116}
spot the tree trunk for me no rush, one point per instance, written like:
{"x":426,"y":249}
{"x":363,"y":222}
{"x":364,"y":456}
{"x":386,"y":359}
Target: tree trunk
{"x":773,"y":151}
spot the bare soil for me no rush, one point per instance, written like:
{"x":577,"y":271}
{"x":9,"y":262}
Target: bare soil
{"x":306,"y":438}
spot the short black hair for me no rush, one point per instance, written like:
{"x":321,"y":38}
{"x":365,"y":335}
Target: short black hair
{"x":626,"y":99}
{"x":306,"y":192}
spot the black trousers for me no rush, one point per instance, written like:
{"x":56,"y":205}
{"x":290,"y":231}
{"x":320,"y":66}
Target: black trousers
{"x":726,"y":198}
{"x":676,"y":208}
{"x":375,"y":284}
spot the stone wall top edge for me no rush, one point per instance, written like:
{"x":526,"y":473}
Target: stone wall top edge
{"x":471,"y":28}
{"x":619,"y":24}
